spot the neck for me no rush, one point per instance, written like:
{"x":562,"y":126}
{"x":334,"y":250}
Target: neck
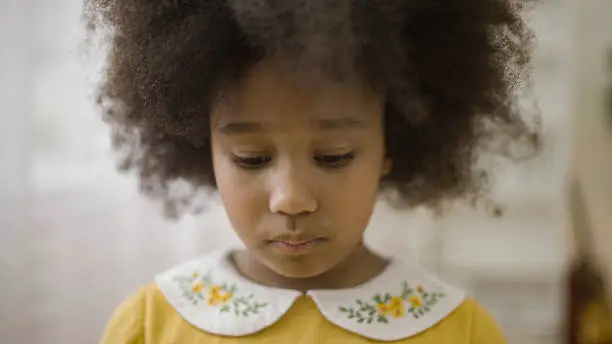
{"x":359,"y":267}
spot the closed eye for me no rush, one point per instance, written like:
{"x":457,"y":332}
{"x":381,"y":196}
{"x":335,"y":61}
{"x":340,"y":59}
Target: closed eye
{"x":324,"y":160}
{"x":251,"y":162}
{"x":335,"y":161}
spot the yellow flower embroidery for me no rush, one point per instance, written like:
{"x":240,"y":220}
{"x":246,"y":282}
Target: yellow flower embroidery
{"x":416,"y":301}
{"x":394,"y":307}
{"x":197,"y":286}
{"x":383,"y":308}
{"x":201,"y":289}
{"x":216,"y":296}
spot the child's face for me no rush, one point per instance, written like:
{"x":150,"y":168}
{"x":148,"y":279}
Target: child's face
{"x":298,"y":169}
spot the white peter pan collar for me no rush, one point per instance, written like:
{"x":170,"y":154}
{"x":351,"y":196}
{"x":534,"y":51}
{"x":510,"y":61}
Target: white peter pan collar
{"x":401,"y":302}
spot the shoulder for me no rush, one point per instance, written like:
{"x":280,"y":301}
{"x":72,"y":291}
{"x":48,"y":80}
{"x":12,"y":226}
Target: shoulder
{"x":131,"y":320}
{"x":135,"y":306}
{"x":470,"y":323}
{"x":482,"y":327}
{"x":126,"y":325}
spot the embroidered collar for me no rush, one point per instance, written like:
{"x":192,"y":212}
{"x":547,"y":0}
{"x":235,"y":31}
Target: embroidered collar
{"x":401,"y":302}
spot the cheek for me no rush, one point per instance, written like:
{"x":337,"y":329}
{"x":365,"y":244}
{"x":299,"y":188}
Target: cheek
{"x":352,"y":198}
{"x":241,"y":193}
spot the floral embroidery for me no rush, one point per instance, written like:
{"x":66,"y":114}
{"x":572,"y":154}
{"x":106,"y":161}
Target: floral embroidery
{"x":416,"y":301}
{"x":394,"y":307}
{"x":201,"y":289}
{"x":218,"y":296}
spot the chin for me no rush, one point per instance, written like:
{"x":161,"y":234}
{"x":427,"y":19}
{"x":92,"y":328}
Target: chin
{"x":298,"y":269}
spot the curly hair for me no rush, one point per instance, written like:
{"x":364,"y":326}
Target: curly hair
{"x":451,"y":72}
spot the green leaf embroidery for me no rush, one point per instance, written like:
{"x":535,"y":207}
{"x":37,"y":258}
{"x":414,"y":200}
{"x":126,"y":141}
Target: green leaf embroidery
{"x":200,"y":289}
{"x":377,"y":298}
{"x":415,"y":301}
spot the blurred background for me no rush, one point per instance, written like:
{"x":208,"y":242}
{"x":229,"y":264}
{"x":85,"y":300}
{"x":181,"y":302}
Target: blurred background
{"x":77,"y":238}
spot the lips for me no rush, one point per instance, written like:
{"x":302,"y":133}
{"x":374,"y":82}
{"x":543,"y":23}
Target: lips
{"x":297,"y":245}
{"x":296,"y":240}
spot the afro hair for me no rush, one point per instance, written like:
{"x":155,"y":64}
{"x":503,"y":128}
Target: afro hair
{"x":452,"y":72}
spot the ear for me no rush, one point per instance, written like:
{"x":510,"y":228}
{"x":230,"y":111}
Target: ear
{"x":386,"y":167}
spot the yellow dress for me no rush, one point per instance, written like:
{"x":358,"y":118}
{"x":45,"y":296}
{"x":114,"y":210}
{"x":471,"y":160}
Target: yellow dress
{"x":207,"y":302}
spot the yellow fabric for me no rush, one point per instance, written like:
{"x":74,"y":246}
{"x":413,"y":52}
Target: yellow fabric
{"x":147,"y":318}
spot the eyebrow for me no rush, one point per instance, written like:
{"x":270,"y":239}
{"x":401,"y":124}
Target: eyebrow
{"x":241,"y":127}
{"x":230,"y":128}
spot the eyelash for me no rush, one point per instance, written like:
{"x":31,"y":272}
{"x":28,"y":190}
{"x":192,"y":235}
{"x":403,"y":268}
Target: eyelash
{"x":327,"y":161}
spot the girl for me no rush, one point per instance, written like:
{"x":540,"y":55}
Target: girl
{"x":300,"y":113}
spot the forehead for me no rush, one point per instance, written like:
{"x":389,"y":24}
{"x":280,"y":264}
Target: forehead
{"x":269,"y":94}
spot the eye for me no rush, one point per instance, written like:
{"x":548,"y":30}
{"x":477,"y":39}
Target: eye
{"x":335,"y":161}
{"x":251,"y":162}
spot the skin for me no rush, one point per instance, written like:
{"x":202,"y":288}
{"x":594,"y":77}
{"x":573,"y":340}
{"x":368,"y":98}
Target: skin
{"x":298,"y":170}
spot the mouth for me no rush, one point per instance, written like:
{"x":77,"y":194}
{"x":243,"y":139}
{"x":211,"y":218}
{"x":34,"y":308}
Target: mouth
{"x":297,"y":245}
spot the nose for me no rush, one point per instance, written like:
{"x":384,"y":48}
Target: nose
{"x":292,"y":195}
